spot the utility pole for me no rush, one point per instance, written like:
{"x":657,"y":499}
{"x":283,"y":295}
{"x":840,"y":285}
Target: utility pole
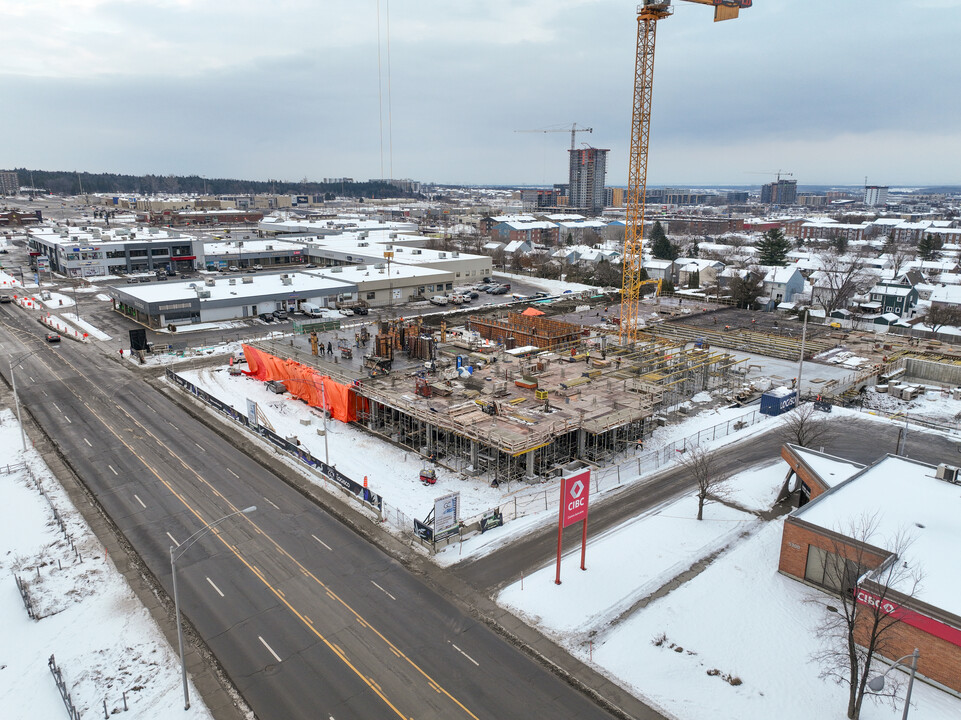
{"x":800,"y":364}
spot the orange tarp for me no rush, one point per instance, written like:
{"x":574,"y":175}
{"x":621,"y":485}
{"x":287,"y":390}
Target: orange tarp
{"x":532,"y":312}
{"x":304,"y":383}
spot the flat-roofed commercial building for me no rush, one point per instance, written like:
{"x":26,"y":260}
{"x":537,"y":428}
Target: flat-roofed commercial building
{"x":247,"y":252}
{"x":216,"y":299}
{"x":379,"y":287}
{"x":92,"y":252}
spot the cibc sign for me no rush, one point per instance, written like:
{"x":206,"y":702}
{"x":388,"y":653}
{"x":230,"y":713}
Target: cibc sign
{"x":575,"y":498}
{"x":575,"y":492}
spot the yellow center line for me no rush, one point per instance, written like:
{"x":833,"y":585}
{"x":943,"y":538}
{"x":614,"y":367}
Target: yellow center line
{"x":217,"y":533}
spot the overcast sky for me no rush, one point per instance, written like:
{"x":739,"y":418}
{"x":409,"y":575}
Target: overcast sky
{"x":830,"y":90}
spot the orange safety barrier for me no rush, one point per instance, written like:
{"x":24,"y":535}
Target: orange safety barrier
{"x":304,"y":383}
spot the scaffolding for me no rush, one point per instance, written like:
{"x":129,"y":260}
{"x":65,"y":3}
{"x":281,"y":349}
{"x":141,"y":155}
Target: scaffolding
{"x":511,"y":419}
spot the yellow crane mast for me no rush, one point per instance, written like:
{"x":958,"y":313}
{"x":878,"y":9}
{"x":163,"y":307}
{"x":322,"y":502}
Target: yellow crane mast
{"x":648,"y":13}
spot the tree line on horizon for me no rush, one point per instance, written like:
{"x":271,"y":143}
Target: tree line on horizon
{"x":60,"y":182}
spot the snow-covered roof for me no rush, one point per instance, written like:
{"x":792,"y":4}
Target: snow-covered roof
{"x":515,"y":245}
{"x":902,"y":494}
{"x":781,"y":274}
{"x":947,"y":294}
{"x":830,"y":469}
{"x":531,"y":225}
{"x":658,"y":264}
{"x":892,"y":290}
{"x":244,"y":286}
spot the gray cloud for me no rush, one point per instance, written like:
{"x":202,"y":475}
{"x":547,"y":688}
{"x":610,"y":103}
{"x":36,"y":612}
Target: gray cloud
{"x":830,"y":90}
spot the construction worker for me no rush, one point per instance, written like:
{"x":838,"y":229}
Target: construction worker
{"x":330,"y":348}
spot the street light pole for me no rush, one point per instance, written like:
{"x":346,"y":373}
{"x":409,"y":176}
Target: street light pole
{"x":173,"y":572}
{"x":323,"y":399}
{"x":876,"y":684}
{"x":16,"y":400}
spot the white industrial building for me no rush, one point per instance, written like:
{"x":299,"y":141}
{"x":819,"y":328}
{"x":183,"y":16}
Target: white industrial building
{"x":226,"y":298}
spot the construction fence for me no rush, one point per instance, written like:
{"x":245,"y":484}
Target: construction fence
{"x":611,"y":477}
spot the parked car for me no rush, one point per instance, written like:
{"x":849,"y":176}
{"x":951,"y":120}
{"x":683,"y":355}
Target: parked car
{"x":266,"y":317}
{"x":499,"y":290}
{"x":53,"y":337}
{"x":5,"y":299}
{"x":234,"y":268}
{"x":258,"y":266}
{"x":346,"y":311}
{"x":360,"y":311}
{"x":280,"y":314}
{"x":439,"y":300}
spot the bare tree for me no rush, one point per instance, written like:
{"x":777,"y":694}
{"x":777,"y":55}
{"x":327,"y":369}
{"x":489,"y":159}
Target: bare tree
{"x":701,"y":463}
{"x":806,"y":427}
{"x":940,"y":315}
{"x":868,"y":579}
{"x":844,"y":277}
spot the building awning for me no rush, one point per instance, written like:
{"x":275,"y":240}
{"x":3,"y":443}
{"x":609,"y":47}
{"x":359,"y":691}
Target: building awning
{"x":183,"y":257}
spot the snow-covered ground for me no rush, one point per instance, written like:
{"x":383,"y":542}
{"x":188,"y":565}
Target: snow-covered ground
{"x":555,"y":287}
{"x":104,"y":640}
{"x":934,"y":405}
{"x":734,"y":642}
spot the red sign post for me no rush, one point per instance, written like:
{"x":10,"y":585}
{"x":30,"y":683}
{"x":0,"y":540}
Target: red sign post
{"x":575,"y":493}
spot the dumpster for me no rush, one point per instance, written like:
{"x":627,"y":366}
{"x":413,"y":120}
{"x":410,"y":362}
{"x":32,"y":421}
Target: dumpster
{"x":778,"y":400}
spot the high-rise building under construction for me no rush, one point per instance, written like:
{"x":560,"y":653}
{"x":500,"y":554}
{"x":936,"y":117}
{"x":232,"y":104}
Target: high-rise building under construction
{"x":588,"y":170}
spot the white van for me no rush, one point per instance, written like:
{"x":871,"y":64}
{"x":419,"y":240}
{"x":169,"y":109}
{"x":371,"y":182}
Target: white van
{"x":311,"y":309}
{"x":439,"y":300}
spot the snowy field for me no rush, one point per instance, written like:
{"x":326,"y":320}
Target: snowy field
{"x":104,"y":640}
{"x":736,"y":641}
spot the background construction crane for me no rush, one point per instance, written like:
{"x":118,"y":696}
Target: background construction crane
{"x":648,"y":13}
{"x":573,"y":130}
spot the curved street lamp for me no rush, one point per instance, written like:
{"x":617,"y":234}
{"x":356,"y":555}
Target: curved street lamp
{"x":16,"y":397}
{"x":876,"y":684}
{"x":183,"y":547}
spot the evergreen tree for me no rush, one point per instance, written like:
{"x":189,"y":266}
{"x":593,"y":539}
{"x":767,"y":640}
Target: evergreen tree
{"x":773,"y":248}
{"x":661,"y":247}
{"x":928,"y":247}
{"x":695,"y":249}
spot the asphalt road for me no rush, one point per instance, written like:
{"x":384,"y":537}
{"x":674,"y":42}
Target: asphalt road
{"x":308,"y":619}
{"x":860,"y":440}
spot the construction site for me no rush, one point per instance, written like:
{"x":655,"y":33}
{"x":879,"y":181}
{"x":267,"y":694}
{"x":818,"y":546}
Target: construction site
{"x":509,"y":397}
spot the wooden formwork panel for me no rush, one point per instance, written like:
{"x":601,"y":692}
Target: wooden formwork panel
{"x":525,"y":330}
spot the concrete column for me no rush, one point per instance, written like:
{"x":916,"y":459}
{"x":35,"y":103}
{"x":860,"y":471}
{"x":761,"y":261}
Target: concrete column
{"x":530,"y":463}
{"x":581,"y":442}
{"x":474,"y":452}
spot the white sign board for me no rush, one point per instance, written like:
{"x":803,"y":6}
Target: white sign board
{"x":398,"y":293}
{"x":446,"y":514}
{"x":252,"y":413}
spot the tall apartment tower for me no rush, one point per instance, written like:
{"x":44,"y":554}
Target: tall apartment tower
{"x":782,"y":192}
{"x":9,"y":183}
{"x":588,"y":171}
{"x":875,"y":195}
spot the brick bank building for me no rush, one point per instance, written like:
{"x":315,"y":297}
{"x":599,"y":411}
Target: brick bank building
{"x":900,"y":495}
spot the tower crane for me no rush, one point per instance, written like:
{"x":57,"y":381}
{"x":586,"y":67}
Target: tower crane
{"x":574,"y":129}
{"x":648,"y":13}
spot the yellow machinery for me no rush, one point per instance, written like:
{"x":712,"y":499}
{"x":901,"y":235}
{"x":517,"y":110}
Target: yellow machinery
{"x":648,"y":13}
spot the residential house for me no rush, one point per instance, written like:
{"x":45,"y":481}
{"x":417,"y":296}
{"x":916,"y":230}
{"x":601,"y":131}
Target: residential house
{"x":781,"y":284}
{"x":705,"y":270}
{"x":895,"y":298}
{"x":535,"y":231}
{"x":660,"y":269}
